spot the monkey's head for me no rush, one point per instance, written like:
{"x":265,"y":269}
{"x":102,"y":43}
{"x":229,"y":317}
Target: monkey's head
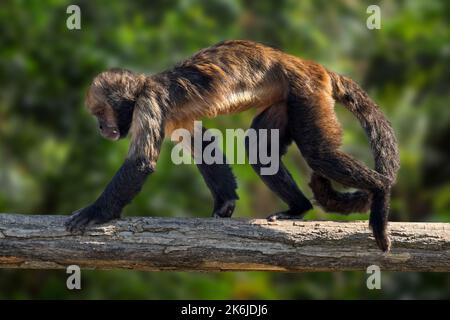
{"x":111,"y":99}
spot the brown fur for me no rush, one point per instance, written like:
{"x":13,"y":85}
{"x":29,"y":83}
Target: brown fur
{"x":233,"y":76}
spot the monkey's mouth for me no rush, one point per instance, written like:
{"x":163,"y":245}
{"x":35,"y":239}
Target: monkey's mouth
{"x":110,"y":134}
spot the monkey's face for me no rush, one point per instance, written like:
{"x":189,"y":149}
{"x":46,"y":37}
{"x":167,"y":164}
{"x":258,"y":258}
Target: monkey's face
{"x":111,"y":101}
{"x":113,"y":118}
{"x":107,"y":124}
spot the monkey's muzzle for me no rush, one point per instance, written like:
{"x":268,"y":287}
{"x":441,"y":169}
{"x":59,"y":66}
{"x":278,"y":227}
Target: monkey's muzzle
{"x":110,"y":133}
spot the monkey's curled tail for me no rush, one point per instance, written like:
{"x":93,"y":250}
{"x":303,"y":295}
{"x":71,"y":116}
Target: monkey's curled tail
{"x":383,"y":144}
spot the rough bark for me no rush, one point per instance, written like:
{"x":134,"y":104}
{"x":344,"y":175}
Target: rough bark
{"x":193,"y":244}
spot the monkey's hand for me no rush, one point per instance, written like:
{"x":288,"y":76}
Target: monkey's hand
{"x":91,"y":215}
{"x":120,"y":191}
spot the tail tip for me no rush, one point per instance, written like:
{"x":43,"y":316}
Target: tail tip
{"x":381,"y":238}
{"x":384,"y":243}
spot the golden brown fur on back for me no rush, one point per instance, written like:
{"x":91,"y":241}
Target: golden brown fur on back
{"x":234,"y":76}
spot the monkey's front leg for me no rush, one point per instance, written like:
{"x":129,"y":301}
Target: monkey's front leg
{"x":125,"y":185}
{"x":220,"y":180}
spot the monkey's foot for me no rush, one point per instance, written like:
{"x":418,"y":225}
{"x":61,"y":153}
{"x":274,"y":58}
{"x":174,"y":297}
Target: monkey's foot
{"x":296,"y":213}
{"x":225,"y":210}
{"x":285,"y":215}
{"x":86,"y":217}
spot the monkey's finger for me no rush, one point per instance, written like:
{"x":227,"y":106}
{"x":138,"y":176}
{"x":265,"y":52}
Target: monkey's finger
{"x":69,"y":223}
{"x":77,"y":222}
{"x":70,"y":220}
{"x":75,"y":226}
{"x":72,"y":216}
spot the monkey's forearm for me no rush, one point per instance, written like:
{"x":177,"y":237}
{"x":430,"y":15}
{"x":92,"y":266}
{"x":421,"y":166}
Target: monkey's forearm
{"x":124,"y":186}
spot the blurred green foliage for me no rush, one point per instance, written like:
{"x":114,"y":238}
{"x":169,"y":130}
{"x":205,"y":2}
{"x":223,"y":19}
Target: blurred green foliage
{"x":53,"y":161}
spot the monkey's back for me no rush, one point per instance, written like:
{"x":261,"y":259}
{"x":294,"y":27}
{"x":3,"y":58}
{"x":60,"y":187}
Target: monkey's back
{"x":233,"y":76}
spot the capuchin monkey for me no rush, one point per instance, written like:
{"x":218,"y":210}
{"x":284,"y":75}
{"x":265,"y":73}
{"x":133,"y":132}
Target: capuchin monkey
{"x":295,"y":96}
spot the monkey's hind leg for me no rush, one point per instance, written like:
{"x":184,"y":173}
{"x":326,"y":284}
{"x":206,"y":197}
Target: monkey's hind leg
{"x":221,"y":182}
{"x":281,"y":183}
{"x":317,"y":133}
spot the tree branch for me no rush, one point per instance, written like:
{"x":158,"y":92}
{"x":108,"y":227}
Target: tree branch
{"x":193,"y":244}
